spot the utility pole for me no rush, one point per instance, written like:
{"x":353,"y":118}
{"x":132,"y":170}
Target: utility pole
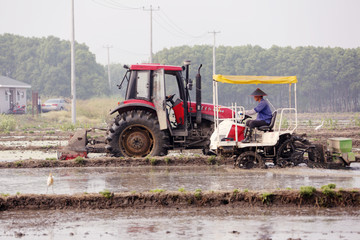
{"x":108,"y":52}
{"x":214,"y":56}
{"x":73,"y":85}
{"x":151,"y":10}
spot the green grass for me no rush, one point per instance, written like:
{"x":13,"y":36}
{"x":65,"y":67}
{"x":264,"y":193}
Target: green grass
{"x":198,"y":194}
{"x":181,"y":190}
{"x":153,"y":161}
{"x":7,"y":123}
{"x":357,"y":120}
{"x":80,"y":160}
{"x":18,"y":163}
{"x":330,"y":185}
{"x":157,"y":190}
{"x":212,"y":160}
{"x":266,"y":197}
{"x":284,"y":123}
{"x":328,"y":190}
{"x":107,"y":194}
{"x":307,"y":191}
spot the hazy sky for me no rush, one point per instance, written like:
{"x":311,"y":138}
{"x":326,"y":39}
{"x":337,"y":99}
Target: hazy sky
{"x":126,"y":26}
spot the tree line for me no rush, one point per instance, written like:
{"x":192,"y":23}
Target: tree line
{"x":328,"y":78}
{"x":45,"y":64}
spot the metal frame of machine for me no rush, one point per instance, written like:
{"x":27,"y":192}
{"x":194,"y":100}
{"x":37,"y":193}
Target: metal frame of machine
{"x":269,"y":138}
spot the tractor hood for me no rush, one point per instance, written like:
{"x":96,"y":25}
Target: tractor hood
{"x":208,"y":109}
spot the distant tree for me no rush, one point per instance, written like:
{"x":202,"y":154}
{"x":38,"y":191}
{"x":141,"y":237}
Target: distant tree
{"x":44,"y":63}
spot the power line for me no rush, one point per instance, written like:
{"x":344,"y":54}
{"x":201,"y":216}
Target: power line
{"x":167,"y":29}
{"x":114,"y":5}
{"x":172,"y":24}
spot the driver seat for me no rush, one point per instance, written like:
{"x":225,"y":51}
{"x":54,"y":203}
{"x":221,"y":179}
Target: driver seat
{"x":271,"y":125}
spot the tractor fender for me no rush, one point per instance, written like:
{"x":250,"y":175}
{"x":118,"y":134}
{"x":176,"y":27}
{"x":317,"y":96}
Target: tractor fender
{"x":132,"y":106}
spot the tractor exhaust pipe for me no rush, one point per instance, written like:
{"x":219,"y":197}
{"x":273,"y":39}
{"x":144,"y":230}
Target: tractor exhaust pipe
{"x":198,"y":96}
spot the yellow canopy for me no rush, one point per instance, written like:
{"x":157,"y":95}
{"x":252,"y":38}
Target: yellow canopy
{"x":232,"y":79}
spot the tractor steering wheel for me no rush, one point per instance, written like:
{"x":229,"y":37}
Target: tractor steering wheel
{"x":170,"y":98}
{"x":170,"y":103}
{"x":245,"y":117}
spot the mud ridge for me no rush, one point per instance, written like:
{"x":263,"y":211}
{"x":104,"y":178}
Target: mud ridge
{"x":197,"y":199}
{"x":119,"y":162}
{"x":29,"y":148}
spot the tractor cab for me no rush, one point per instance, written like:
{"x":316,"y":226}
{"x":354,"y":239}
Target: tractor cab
{"x":161,"y":88}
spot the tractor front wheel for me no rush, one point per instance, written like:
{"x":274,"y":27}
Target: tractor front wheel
{"x":136,"y":134}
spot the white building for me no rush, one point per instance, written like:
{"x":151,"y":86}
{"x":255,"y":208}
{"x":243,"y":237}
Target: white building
{"x":12,"y":93}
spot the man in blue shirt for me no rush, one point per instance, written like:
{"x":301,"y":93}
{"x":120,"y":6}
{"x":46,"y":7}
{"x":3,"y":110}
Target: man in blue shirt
{"x":264,"y":114}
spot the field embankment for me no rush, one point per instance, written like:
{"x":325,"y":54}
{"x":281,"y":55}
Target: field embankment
{"x":106,"y":200}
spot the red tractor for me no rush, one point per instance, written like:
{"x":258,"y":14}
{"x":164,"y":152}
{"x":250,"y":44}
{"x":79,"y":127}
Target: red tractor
{"x":157,"y":114}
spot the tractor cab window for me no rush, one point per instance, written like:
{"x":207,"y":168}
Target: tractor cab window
{"x":171,"y":86}
{"x":174,"y":102}
{"x":139,"y":85}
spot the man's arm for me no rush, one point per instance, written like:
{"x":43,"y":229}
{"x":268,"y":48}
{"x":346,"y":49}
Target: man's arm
{"x":250,"y":112}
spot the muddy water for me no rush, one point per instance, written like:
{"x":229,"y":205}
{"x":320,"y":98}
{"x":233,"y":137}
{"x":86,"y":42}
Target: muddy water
{"x":80,"y":180}
{"x":182,"y":224}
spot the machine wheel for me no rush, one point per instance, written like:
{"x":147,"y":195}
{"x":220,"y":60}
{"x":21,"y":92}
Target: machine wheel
{"x":291,"y":152}
{"x":136,"y":134}
{"x":250,"y":159}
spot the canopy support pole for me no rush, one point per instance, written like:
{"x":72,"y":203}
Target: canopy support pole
{"x":295,"y":96}
{"x":289,"y":95}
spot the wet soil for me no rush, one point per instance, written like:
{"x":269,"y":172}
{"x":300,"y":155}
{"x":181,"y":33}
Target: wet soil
{"x":107,"y":200}
{"x":120,"y":162}
{"x":190,"y":223}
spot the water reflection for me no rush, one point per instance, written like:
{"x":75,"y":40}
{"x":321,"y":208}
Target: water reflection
{"x":80,"y":180}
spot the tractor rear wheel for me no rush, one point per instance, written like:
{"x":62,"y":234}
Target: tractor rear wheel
{"x":250,"y":159}
{"x":136,"y":134}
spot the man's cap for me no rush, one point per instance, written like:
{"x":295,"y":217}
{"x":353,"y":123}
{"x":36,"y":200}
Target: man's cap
{"x":258,"y":92}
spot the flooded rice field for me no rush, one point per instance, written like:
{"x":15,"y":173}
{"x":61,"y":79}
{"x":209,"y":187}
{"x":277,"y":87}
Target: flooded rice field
{"x":172,"y":223}
{"x":217,"y":223}
{"x":171,"y":178}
